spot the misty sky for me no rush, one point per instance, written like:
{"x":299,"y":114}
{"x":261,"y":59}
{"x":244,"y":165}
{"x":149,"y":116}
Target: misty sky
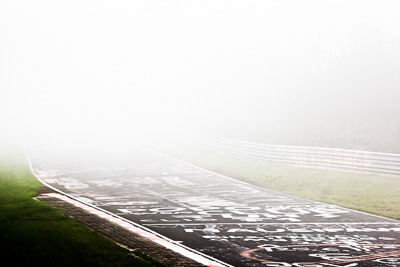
{"x":319,"y":73}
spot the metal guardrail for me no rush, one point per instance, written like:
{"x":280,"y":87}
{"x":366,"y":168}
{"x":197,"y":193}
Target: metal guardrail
{"x":308,"y":157}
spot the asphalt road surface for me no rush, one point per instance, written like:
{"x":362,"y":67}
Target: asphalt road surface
{"x":235,"y":222}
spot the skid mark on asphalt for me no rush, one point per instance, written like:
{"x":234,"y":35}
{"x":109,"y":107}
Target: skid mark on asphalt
{"x":238,"y":223}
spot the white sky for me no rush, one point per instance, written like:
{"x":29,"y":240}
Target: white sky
{"x":83,"y":65}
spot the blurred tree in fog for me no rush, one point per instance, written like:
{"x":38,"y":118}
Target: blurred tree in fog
{"x":361,"y":92}
{"x":344,"y":98}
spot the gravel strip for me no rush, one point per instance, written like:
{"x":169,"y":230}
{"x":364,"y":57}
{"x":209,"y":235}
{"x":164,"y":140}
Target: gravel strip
{"x":120,"y":235}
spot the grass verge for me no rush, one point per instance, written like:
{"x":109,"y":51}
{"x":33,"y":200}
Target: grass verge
{"x":34,"y":234}
{"x":369,"y":193}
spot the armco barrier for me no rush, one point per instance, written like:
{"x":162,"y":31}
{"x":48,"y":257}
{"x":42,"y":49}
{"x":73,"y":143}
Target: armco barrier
{"x":308,"y":157}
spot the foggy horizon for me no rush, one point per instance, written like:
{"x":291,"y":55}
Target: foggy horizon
{"x":304,"y":73}
{"x":212,"y":133}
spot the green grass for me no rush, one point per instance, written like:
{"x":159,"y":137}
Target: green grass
{"x":34,"y":234}
{"x":369,"y":193}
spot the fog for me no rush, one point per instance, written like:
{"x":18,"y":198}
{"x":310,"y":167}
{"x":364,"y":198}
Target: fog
{"x":314,"y":73}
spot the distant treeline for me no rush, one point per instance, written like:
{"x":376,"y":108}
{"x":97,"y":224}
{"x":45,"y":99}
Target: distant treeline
{"x":349,"y":99}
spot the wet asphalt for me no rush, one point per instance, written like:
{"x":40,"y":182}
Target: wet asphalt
{"x":235,"y":222}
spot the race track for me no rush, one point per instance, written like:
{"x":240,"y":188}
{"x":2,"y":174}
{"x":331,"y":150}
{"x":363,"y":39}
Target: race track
{"x":235,"y":222}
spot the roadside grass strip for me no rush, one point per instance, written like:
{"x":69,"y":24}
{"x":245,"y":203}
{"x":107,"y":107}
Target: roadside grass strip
{"x":35,"y":234}
{"x":369,"y":193}
{"x":132,"y":228}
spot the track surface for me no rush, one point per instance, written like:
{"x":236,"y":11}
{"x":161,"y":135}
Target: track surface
{"x":235,"y":222}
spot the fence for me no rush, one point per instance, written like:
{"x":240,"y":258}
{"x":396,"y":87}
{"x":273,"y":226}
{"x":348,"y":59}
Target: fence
{"x":308,"y":157}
